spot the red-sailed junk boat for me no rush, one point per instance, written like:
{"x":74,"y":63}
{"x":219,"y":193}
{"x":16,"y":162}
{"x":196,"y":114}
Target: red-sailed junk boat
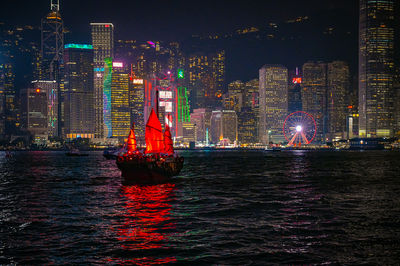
{"x":157,"y":163}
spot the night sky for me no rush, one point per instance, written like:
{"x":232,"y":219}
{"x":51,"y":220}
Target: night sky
{"x":178,"y":20}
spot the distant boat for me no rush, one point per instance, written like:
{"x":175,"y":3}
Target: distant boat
{"x":75,"y":152}
{"x":157,"y":163}
{"x":272,"y":149}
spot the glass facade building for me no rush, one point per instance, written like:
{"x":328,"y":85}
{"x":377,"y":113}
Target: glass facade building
{"x":376,"y":67}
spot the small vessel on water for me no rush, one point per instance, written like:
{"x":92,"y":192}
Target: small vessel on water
{"x":274,"y":148}
{"x":157,"y":163}
{"x":75,"y":152}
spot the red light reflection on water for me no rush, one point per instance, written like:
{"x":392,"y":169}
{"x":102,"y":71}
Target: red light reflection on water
{"x":147,"y":216}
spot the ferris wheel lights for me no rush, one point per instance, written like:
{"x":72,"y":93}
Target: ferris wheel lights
{"x":299,"y":128}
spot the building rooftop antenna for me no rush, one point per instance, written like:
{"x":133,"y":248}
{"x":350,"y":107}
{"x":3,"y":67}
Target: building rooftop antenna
{"x":55,"y":5}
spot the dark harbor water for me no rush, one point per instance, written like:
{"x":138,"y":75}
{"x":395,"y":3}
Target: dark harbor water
{"x":230,"y":208}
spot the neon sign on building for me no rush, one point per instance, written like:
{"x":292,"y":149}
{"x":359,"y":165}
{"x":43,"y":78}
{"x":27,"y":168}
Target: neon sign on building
{"x":296,"y":80}
{"x":118,"y":64}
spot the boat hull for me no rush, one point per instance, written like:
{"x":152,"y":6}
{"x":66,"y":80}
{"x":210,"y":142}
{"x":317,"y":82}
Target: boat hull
{"x":149,"y":171}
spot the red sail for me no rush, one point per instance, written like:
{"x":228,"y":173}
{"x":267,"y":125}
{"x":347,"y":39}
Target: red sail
{"x":131,"y":143}
{"x":154,"y":136}
{"x":168,"y":143}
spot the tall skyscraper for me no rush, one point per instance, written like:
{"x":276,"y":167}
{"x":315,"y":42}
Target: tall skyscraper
{"x":201,"y":119}
{"x":52,"y":42}
{"x":52,"y":52}
{"x":376,"y":66}
{"x":136,"y":105}
{"x":216,"y":126}
{"x":313,"y":96}
{"x":234,"y":98}
{"x":247,"y":126}
{"x":120,"y":110}
{"x":78,"y":99}
{"x":103,"y":47}
{"x":337,"y":91}
{"x":294,"y":91}
{"x":273,"y":102}
{"x":39,"y":110}
{"x":50,"y":89}
{"x":206,"y":79}
{"x":230,"y":125}
{"x":8,"y":115}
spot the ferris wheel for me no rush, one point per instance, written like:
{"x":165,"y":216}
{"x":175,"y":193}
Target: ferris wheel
{"x":299,"y":128}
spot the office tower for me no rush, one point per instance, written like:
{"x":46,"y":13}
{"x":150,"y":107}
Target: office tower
{"x":188,"y":132}
{"x":337,"y":90}
{"x":313,"y":96}
{"x":78,"y":98}
{"x":52,"y":52}
{"x":251,"y":94}
{"x":201,"y":119}
{"x":2,"y":121}
{"x":8,"y":98}
{"x":223,"y":126}
{"x":39,"y":112}
{"x":103,"y":48}
{"x":230,"y":126}
{"x":120,"y":110}
{"x":206,"y":79}
{"x":50,"y":88}
{"x":247,"y":126}
{"x":136,"y":105}
{"x":376,"y":65}
{"x":233,"y":99}
{"x":273,"y":103}
{"x":52,"y":42}
{"x":216,"y":126}
{"x":294,"y":91}
{"x":172,"y":105}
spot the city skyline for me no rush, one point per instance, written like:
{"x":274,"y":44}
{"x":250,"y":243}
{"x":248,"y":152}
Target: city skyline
{"x":296,"y":32}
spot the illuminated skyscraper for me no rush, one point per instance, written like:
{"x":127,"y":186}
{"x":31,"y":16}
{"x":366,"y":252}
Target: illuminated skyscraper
{"x":136,"y":105}
{"x":216,"y":126}
{"x":39,"y":112}
{"x":201,"y":119}
{"x":251,"y":94}
{"x":376,"y":66}
{"x":52,"y":42}
{"x":337,"y":91}
{"x":120,"y":109}
{"x":206,"y":79}
{"x":230,"y":125}
{"x":247,"y":126}
{"x":103,"y":47}
{"x":8,"y":116}
{"x":314,"y":95}
{"x":273,"y":102}
{"x":233,"y":99}
{"x":78,"y":99}
{"x":294,"y":92}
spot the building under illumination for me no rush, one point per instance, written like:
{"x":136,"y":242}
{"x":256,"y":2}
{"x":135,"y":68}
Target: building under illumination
{"x":224,"y":126}
{"x":273,"y":103}
{"x":120,"y":108}
{"x":136,"y":105}
{"x":78,"y":98}
{"x":314,"y":96}
{"x":337,"y":92}
{"x":206,"y":77}
{"x":103,"y":48}
{"x":294,"y":92}
{"x":376,"y":66}
{"x":39,"y":112}
{"x":201,"y":119}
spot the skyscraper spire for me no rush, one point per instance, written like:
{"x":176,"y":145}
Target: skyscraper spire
{"x":55,"y":5}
